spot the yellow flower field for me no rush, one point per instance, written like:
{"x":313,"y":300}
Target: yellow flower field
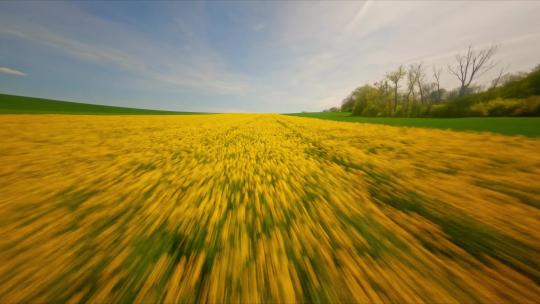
{"x":264,"y":208}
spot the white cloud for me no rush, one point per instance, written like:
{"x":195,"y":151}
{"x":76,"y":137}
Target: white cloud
{"x":359,"y":15}
{"x":351,"y":44}
{"x":6,"y":70}
{"x":201,"y":68}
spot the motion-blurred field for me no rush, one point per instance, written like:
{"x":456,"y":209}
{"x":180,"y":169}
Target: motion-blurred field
{"x":264,"y":208}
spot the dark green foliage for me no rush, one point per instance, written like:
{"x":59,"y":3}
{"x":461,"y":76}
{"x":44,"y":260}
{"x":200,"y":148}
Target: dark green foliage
{"x":529,"y":106}
{"x":517,"y":96}
{"x":332,"y":109}
{"x":520,"y":88}
{"x":10,"y":104}
{"x":367,"y":100}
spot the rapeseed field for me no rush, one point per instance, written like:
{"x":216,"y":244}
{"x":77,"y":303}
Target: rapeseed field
{"x":264,"y":208}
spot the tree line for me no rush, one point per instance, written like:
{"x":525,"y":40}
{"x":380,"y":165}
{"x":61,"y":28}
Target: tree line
{"x":415,"y":90}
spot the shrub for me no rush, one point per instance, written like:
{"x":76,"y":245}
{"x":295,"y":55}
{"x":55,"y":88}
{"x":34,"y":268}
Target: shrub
{"x":449,"y":109}
{"x":528,"y":107}
{"x":507,"y":107}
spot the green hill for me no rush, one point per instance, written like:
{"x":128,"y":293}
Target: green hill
{"x":11,"y":104}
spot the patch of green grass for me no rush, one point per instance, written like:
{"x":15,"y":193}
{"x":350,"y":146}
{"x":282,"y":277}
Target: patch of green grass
{"x":527,"y":126}
{"x":11,"y":104}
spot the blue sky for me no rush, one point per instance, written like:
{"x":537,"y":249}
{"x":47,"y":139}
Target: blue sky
{"x":244,"y":56}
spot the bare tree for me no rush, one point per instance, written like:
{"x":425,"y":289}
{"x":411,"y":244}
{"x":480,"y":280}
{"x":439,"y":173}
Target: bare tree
{"x":472,"y":64}
{"x":428,"y":90}
{"x":419,"y":75}
{"x":395,"y":77}
{"x":411,"y":83}
{"x":497,"y":80}
{"x":383,"y":89}
{"x":437,"y":75}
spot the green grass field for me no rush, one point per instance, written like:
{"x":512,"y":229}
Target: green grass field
{"x":528,"y":126}
{"x":11,"y":104}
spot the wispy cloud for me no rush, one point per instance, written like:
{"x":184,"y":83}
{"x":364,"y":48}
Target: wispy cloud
{"x":368,"y":39}
{"x":6,"y":70}
{"x":196,"y":68}
{"x":362,"y":11}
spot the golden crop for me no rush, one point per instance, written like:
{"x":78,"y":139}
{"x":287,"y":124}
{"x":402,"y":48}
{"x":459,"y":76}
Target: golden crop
{"x":264,"y":208}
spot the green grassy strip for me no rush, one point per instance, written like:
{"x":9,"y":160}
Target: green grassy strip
{"x":11,"y":104}
{"x":527,"y":126}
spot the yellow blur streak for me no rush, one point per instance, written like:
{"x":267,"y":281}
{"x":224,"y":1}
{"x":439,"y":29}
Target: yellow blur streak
{"x":263,"y":208}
